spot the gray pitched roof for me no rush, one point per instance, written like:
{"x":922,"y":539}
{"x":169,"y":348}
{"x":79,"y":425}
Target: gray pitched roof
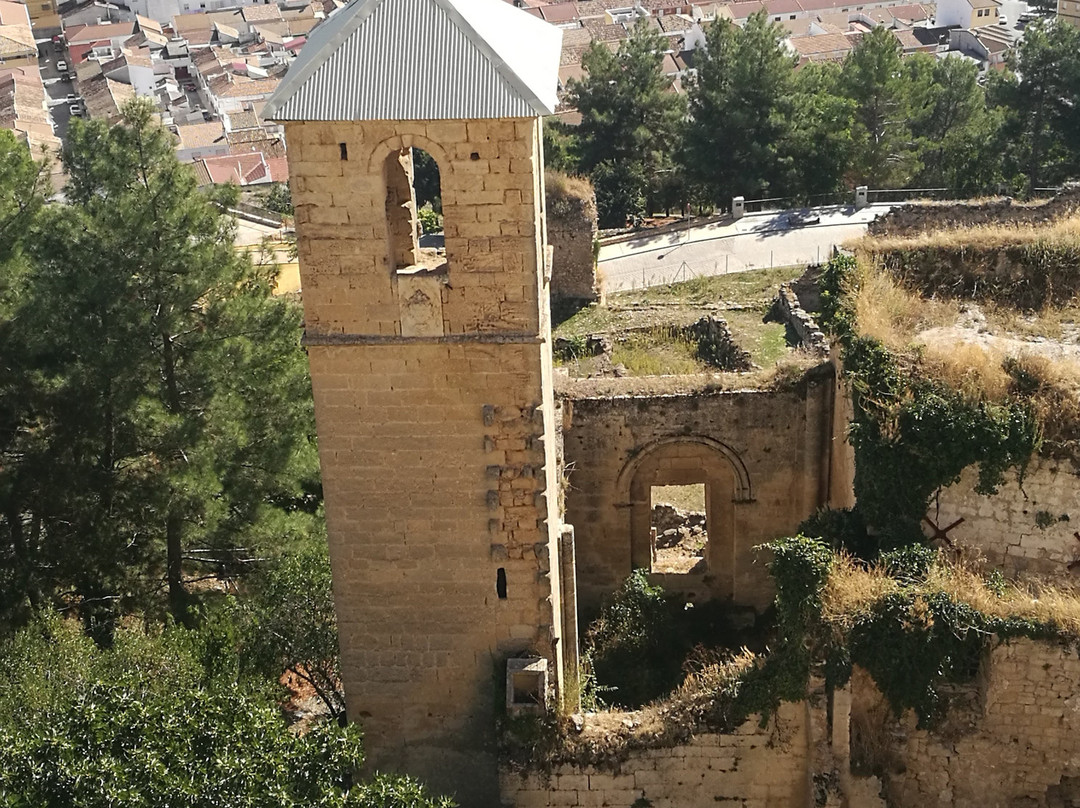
{"x":422,"y":60}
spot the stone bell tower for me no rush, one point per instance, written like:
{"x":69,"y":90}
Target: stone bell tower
{"x":432,"y":373}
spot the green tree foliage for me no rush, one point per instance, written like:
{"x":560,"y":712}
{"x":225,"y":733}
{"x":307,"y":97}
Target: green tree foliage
{"x":630,"y":122}
{"x":161,"y":403}
{"x":741,"y":107}
{"x":279,"y":198}
{"x":560,"y":146}
{"x":1041,"y":104}
{"x":956,"y":134}
{"x":821,"y":141}
{"x":873,"y":77}
{"x":145,"y":723}
{"x":426,"y":182}
{"x":290,"y":622}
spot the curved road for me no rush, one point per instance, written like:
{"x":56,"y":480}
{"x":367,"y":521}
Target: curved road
{"x":775,"y":238}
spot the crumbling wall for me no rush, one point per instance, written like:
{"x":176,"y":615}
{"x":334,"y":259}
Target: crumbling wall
{"x":753,"y":767}
{"x":571,"y":232}
{"x":1028,"y":527}
{"x":766,"y":453}
{"x":905,"y":220}
{"x":1016,"y":745}
{"x":791,"y":312}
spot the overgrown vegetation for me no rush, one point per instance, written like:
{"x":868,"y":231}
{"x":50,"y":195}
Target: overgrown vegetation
{"x":687,"y":668}
{"x":913,"y":433}
{"x":920,"y":625}
{"x":650,"y":329}
{"x":165,"y":718}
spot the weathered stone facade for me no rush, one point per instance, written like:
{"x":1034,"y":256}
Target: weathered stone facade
{"x":764,"y":457}
{"x":1027,"y":527}
{"x":753,"y":767}
{"x":434,"y":407}
{"x":1016,"y":746}
{"x":571,"y":225}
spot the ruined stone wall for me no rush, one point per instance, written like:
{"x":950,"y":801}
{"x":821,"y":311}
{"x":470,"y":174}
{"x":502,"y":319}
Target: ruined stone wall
{"x":1018,"y":746}
{"x":909,"y":219}
{"x":1028,"y":528}
{"x":763,"y":454}
{"x":791,"y":312}
{"x":751,"y":767}
{"x":571,"y":226}
{"x":434,"y":407}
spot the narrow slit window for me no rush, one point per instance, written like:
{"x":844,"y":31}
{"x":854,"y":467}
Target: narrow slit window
{"x":500,"y":583}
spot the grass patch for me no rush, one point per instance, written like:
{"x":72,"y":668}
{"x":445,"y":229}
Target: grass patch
{"x":740,"y":287}
{"x":657,"y":352}
{"x":766,"y":343}
{"x":642,"y":322}
{"x":684,"y":497}
{"x":592,"y":319}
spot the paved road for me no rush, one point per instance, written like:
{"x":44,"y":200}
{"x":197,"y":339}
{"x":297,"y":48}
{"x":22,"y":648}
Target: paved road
{"x":755,"y":241}
{"x":56,"y":88}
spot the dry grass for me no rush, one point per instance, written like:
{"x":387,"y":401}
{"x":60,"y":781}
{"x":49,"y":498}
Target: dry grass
{"x":785,"y":374}
{"x":976,"y":371}
{"x":557,"y":183}
{"x":684,"y":497}
{"x":893,"y":314}
{"x":657,"y":352}
{"x":986,"y":237}
{"x":852,"y":590}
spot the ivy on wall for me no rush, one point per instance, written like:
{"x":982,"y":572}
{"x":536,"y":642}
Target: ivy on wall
{"x":912,"y":435}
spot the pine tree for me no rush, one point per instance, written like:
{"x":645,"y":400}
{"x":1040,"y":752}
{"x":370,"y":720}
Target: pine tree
{"x":741,"y":106}
{"x":168,"y":405}
{"x":630,"y":122}
{"x":873,"y":77}
{"x":1041,"y":104}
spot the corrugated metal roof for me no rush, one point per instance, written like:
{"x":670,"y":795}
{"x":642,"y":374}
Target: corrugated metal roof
{"x":422,"y":60}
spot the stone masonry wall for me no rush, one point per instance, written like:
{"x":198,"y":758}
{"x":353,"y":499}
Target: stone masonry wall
{"x":1028,"y":528}
{"x":1019,"y":747}
{"x":435,"y":416}
{"x":750,"y":768}
{"x":904,"y":220}
{"x":763,"y":454}
{"x":571,"y":226}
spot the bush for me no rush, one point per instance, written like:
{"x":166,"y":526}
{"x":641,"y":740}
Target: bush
{"x":290,"y":624}
{"x":145,"y":724}
{"x":430,"y":220}
{"x":631,"y":644}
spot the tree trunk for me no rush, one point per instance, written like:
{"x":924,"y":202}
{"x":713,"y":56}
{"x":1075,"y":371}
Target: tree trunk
{"x":178,"y":596}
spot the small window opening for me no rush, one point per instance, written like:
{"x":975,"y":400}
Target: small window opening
{"x":526,"y":687}
{"x":344,"y":151}
{"x":679,"y":528}
{"x":414,"y":211}
{"x":474,"y":156}
{"x":500,"y":583}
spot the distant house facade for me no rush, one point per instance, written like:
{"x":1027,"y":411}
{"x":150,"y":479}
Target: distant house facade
{"x":44,"y":16}
{"x":165,"y":10}
{"x":1069,"y":11}
{"x":17,"y":46}
{"x":967,"y":13}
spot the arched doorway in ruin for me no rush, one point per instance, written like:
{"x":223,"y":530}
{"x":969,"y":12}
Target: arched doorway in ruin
{"x":687,"y":461}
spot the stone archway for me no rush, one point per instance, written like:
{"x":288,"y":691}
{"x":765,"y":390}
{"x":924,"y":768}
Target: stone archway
{"x":689,"y":461}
